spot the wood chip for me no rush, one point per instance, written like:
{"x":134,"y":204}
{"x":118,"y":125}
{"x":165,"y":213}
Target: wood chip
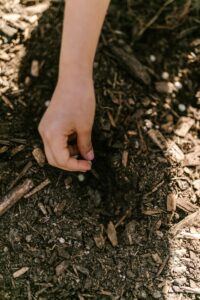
{"x":112,"y":234}
{"x":59,"y":208}
{"x":196,"y":184}
{"x":7,"y":30}
{"x":187,"y":221}
{"x":37,"y":9}
{"x":15,"y":195}
{"x":183,"y":126}
{"x":125,"y":158}
{"x":39,"y":156}
{"x":3,"y":149}
{"x":35,"y":68}
{"x":152,"y":212}
{"x":173,"y":152}
{"x":165,"y":87}
{"x":7,"y":102}
{"x":191,"y":160}
{"x":99,"y":239}
{"x":16,"y":150}
{"x":171,"y":202}
{"x":156,"y":257}
{"x":186,"y":205}
{"x":157,"y":137}
{"x":20,"y":272}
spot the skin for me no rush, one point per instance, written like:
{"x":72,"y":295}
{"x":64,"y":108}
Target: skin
{"x":72,"y":107}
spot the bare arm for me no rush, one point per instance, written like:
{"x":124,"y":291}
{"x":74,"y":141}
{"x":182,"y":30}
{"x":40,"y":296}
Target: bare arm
{"x":72,"y":108}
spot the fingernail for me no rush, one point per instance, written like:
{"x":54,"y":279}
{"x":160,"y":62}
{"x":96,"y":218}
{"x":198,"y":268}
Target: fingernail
{"x":90,"y":155}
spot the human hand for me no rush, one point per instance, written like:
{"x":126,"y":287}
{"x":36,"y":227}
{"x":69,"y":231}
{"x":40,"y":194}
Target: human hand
{"x":70,"y":113}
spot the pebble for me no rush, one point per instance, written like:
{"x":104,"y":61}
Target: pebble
{"x":152,"y":58}
{"x":46,"y":103}
{"x":178,"y":85}
{"x":182,"y":107}
{"x":28,"y":238}
{"x":81,"y":177}
{"x":61,"y":240}
{"x":165,"y":75}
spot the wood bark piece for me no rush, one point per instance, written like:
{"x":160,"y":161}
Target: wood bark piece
{"x":15,"y":195}
{"x":131,"y":64}
{"x":187,"y":221}
{"x":39,"y":156}
{"x":183,"y":126}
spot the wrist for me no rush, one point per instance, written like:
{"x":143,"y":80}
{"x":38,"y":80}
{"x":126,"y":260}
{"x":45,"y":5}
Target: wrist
{"x":75,"y":70}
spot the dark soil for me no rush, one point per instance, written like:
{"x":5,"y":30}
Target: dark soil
{"x":61,"y":233}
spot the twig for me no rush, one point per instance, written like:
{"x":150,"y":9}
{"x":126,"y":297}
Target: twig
{"x":38,"y":188}
{"x":15,"y":195}
{"x":21,"y":174}
{"x":162,"y":266}
{"x":150,"y":23}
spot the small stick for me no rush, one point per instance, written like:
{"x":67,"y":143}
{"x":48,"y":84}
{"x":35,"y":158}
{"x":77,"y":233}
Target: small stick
{"x":15,"y":195}
{"x":21,"y":174}
{"x":162,"y":266}
{"x":38,"y":188}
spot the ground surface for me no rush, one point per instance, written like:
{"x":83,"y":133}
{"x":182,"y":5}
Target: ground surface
{"x":63,"y":234}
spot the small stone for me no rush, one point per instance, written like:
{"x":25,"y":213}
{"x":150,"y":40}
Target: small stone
{"x":178,"y":85}
{"x":61,"y":240}
{"x":165,"y":75}
{"x":152,"y":58}
{"x":81,"y":177}
{"x":182,"y":107}
{"x":68,"y":182}
{"x":46,"y":103}
{"x":148,"y":123}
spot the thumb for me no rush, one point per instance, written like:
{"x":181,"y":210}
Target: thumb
{"x":85,"y":144}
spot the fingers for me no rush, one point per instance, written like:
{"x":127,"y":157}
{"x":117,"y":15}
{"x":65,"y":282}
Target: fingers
{"x":60,"y":155}
{"x":84,"y":143}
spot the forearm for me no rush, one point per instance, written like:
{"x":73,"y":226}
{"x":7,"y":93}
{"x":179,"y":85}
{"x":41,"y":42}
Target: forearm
{"x":83,"y":21}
